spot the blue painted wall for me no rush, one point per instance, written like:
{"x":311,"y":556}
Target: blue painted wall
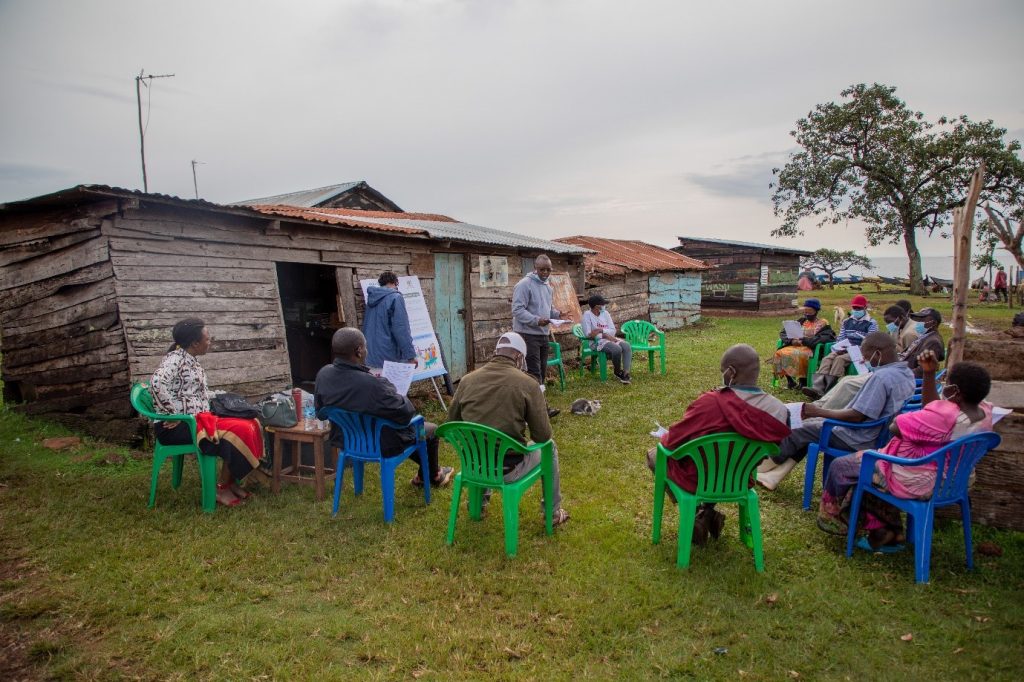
{"x":674,"y":299}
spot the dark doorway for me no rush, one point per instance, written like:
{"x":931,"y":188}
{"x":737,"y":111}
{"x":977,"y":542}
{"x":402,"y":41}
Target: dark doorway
{"x":309,"y":303}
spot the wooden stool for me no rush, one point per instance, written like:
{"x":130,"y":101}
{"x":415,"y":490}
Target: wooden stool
{"x":296,"y":436}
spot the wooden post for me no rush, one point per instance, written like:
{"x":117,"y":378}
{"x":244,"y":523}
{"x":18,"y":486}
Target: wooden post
{"x":963,"y":224}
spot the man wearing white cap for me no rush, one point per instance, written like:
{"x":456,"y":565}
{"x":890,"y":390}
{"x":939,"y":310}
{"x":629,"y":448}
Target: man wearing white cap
{"x":503,"y":396}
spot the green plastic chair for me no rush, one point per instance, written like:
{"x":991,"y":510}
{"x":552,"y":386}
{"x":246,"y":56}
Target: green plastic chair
{"x":639,"y":333}
{"x":555,"y":359}
{"x":482,"y":451}
{"x":725,"y":463}
{"x":142,"y":401}
{"x":820,"y":351}
{"x":598,"y":359}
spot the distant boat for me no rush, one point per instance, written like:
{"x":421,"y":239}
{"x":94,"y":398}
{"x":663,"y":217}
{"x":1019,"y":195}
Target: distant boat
{"x":947,"y":283}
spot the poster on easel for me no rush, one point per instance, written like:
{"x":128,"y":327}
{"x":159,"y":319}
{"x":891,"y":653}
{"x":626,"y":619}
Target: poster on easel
{"x":565,"y":301}
{"x":428,"y":351}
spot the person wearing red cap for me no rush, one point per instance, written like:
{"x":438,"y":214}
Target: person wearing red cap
{"x":833,"y":366}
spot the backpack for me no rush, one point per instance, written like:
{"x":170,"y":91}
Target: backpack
{"x":233,"y":405}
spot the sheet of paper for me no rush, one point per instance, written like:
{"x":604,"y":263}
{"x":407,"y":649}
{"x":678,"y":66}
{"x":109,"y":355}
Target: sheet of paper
{"x":998,"y":413}
{"x":858,"y":359}
{"x":559,"y":323}
{"x":796,"y":412}
{"x":659,"y":432}
{"x":793,"y":329}
{"x":399,"y":374}
{"x":841,"y":345}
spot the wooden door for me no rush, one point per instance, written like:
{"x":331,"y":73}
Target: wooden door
{"x":450,"y":310}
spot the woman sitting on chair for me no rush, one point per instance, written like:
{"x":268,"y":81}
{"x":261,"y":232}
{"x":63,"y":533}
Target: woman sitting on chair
{"x":598,"y":326}
{"x":958,"y":412}
{"x":791,"y":359}
{"x":179,"y":387}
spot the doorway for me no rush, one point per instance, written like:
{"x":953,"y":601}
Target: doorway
{"x":450,"y":310}
{"x":309,"y":305}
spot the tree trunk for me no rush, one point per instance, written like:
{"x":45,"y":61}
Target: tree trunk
{"x":915,"y":274}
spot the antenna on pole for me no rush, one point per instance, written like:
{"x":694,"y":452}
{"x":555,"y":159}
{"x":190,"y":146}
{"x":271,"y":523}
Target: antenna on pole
{"x":195,"y":183}
{"x":139,"y":82}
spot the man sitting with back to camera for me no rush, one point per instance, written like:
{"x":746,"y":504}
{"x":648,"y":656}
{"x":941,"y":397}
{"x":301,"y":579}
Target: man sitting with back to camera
{"x":347,"y":383}
{"x":883,"y":395}
{"x":739,"y":406}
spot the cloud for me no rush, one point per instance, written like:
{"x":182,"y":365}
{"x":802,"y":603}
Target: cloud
{"x":24,"y":173}
{"x":745,"y":177}
{"x":89,"y":90}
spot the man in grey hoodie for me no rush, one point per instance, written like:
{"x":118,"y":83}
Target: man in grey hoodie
{"x":386,"y":324}
{"x":531,"y":315}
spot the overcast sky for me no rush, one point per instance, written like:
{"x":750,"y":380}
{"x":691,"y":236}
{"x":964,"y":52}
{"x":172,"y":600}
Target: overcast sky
{"x":642,"y":120}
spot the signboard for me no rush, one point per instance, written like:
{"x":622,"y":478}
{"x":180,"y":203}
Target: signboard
{"x":565,"y":301}
{"x":764,"y":275}
{"x":750,"y":292}
{"x":493,"y":271}
{"x":424,"y":340}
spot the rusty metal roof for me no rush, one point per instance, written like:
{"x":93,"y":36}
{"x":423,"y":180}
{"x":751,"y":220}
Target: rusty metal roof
{"x":728,"y":244}
{"x":311,"y":198}
{"x":619,"y":256}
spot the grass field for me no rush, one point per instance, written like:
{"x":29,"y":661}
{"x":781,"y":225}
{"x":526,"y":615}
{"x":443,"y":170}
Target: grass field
{"x":95,"y":585}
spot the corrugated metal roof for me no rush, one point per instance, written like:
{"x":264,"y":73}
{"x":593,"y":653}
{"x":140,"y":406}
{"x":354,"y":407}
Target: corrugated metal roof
{"x":619,"y":256}
{"x":751,"y":245}
{"x":437,"y":227}
{"x":307,"y":197}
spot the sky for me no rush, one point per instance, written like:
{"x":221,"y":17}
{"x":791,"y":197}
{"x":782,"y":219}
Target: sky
{"x":636,"y":120}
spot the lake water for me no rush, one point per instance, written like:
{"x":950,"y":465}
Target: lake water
{"x":937,"y":266}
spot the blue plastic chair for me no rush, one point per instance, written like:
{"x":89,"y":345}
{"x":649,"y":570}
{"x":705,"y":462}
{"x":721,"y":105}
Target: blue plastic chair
{"x":822,"y":446}
{"x":362,"y":445}
{"x":955,"y":463}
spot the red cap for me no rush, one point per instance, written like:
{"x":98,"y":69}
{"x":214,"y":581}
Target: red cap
{"x":859,"y":301}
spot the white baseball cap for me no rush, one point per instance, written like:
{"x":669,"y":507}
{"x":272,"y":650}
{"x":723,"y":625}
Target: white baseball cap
{"x":513,"y":341}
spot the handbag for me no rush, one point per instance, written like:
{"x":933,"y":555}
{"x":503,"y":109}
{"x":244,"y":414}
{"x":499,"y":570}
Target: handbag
{"x":278,"y":412}
{"x":233,"y":405}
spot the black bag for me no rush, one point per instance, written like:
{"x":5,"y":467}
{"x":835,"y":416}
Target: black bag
{"x":233,"y":405}
{"x":278,"y":412}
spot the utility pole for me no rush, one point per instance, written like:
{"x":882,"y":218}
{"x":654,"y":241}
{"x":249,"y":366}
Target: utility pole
{"x":142,"y":130}
{"x":195,"y":183}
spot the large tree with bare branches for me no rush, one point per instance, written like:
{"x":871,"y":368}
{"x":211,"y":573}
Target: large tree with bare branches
{"x":869,"y":157}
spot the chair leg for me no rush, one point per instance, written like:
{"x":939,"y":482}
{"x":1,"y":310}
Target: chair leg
{"x":208,"y":479}
{"x":659,"y":508}
{"x":662,"y":353}
{"x":339,"y":479}
{"x":810,"y":467}
{"x":602,"y":360}
{"x":754,"y":519}
{"x":425,"y":471}
{"x":510,"y":507}
{"x":177,"y":466}
{"x":687,"y":513}
{"x":851,"y":532}
{"x":453,"y":514}
{"x":650,"y":361}
{"x":922,"y":546}
{"x":476,"y":502}
{"x":387,"y":489}
{"x":157,"y":463}
{"x":358,"y":467}
{"x":965,"y":516}
{"x":561,"y":376}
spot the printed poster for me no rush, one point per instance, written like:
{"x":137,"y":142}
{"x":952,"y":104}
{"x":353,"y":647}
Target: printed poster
{"x":424,"y":340}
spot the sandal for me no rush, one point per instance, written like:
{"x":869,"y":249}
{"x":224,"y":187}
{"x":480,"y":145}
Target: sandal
{"x":862,"y":543}
{"x":444,"y":477}
{"x":559,"y":516}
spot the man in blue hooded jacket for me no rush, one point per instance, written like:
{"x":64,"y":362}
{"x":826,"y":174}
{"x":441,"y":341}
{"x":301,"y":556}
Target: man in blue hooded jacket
{"x":386,"y":324}
{"x":532,"y":313}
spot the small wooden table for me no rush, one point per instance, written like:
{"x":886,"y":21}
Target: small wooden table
{"x":296,"y":436}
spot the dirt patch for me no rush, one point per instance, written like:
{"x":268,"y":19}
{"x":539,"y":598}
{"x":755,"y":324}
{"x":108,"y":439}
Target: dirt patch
{"x":999,"y":354}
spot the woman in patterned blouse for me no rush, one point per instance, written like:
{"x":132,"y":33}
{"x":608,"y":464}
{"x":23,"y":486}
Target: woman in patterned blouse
{"x":179,"y":387}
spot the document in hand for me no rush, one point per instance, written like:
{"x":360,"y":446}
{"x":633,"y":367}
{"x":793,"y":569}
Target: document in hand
{"x":793,"y":329}
{"x":796,"y":415}
{"x":399,"y":374}
{"x":858,"y":360}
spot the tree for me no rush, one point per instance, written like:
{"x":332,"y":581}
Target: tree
{"x":871,"y":158}
{"x":1001,"y":227}
{"x":987,"y":243}
{"x":832,"y":262}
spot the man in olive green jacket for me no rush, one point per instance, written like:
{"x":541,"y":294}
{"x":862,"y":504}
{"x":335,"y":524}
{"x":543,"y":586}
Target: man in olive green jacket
{"x":503,"y":396}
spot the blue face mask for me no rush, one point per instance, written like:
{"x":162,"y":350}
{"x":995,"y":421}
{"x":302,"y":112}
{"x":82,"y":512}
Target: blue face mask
{"x":857,"y":314}
{"x":891,"y":327}
{"x":919,"y":328}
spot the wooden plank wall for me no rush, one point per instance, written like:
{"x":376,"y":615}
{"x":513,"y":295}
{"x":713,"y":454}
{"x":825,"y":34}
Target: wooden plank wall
{"x":740,"y":266}
{"x":675,"y":299}
{"x":63,"y":345}
{"x":627,"y":295}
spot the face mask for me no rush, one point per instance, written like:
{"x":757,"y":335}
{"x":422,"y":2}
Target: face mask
{"x":950,"y":392}
{"x":871,"y":361}
{"x":857,"y":314}
{"x":727,"y":378}
{"x":920,"y":328}
{"x":891,"y":327}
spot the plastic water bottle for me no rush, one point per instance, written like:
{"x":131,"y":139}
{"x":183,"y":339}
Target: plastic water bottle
{"x":309,"y":417}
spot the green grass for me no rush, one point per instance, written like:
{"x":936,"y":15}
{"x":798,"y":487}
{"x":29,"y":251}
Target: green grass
{"x":95,"y":585}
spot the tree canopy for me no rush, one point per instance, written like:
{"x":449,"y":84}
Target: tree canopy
{"x":871,"y":158}
{"x":832,"y":262}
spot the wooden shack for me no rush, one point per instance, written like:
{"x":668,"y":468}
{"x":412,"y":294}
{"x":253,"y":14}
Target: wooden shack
{"x":642,"y":281}
{"x":356,"y":194}
{"x":745,"y":276}
{"x":92,"y":278}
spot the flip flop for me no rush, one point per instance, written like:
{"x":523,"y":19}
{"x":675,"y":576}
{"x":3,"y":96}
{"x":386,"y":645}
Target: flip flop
{"x":862,"y":543}
{"x":234,"y":503}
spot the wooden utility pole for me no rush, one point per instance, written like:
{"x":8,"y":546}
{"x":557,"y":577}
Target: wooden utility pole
{"x":963,"y":226}
{"x":142,"y":129}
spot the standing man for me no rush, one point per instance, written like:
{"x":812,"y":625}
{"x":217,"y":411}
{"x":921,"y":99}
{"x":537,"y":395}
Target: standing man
{"x":531,"y":316}
{"x":1001,"y":285}
{"x":386,"y":324}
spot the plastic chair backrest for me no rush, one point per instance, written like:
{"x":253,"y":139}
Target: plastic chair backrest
{"x":725,"y":462}
{"x":577,"y":331}
{"x":638,"y":332}
{"x":481,"y":450}
{"x":956,"y":462}
{"x":142,"y":401}
{"x":361,"y":431}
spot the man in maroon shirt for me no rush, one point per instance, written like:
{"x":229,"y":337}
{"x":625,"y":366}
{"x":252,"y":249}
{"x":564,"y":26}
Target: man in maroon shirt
{"x":738,"y":406}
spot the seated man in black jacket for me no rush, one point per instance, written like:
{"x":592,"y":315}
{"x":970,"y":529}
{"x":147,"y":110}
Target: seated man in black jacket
{"x":348,"y":384}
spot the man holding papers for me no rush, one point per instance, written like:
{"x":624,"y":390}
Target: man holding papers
{"x":532,"y":314}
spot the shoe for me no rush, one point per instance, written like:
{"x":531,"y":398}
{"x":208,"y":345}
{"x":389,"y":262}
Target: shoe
{"x":811,"y":393}
{"x":621,"y":376}
{"x":700,"y":532}
{"x":771,"y":479}
{"x":444,"y":477}
{"x":831,"y":526}
{"x":862,"y":543}
{"x":714,"y":520}
{"x":790,"y":384}
{"x":553,"y":412}
{"x":559,"y":517}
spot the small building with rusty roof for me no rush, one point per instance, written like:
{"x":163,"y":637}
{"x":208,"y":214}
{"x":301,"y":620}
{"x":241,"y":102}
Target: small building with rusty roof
{"x":92,"y":279}
{"x":641,"y":281}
